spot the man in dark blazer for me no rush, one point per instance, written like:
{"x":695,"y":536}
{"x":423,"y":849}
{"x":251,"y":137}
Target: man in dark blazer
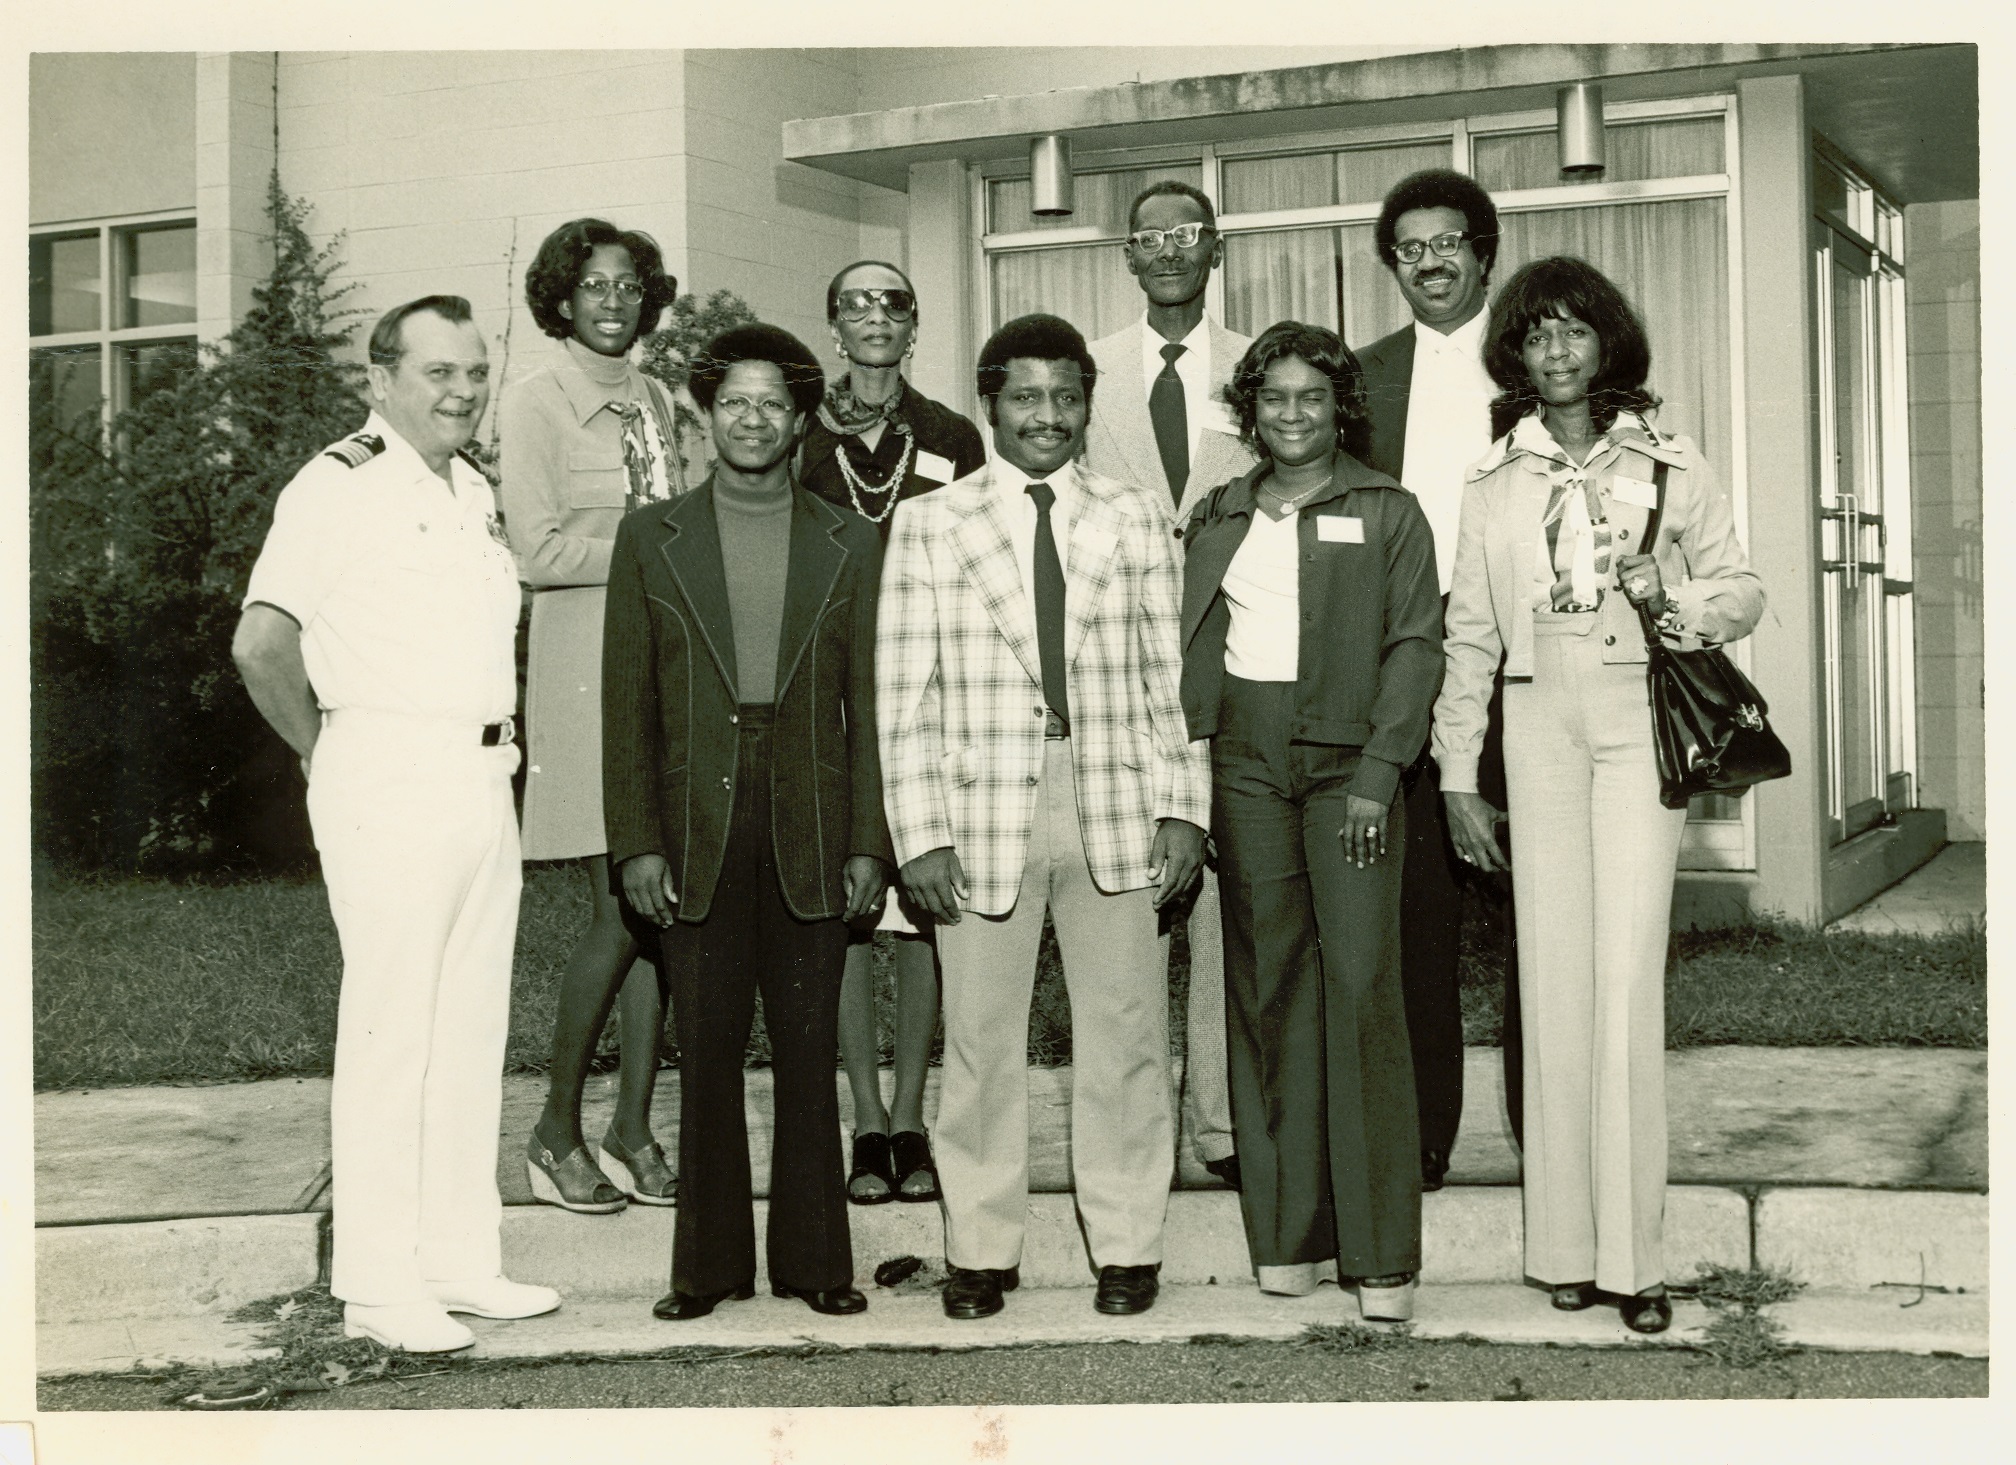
{"x":743,"y":801}
{"x":1429,"y":400}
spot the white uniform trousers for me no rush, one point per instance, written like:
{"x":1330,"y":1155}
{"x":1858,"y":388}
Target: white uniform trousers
{"x":1207,"y":1093}
{"x":419,"y":847}
{"x":1123,"y":1122}
{"x":1593,"y":858}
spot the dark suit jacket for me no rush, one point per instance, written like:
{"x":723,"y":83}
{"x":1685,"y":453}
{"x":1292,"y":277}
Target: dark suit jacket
{"x":669,"y":729}
{"x":1388,"y":364}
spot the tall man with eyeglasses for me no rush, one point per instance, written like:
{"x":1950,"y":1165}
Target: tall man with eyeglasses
{"x":1161,"y":421}
{"x":377,"y":640}
{"x":1430,"y":404}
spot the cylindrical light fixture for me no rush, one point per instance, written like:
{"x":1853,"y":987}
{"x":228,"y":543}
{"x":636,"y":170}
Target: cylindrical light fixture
{"x":1050,"y":176}
{"x":1578,"y":126}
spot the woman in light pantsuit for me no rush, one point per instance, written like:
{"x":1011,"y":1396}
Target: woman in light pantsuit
{"x":1311,"y":658}
{"x":1551,"y":565}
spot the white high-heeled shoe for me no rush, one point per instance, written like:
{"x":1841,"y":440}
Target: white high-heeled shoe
{"x":1387,"y":1304}
{"x":1293,"y":1279}
{"x":416,"y":1327}
{"x":496,"y":1297}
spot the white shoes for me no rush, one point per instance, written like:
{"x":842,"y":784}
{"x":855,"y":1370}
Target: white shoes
{"x":416,"y":1327}
{"x":495,"y":1297}
{"x":1294,"y":1279}
{"x":1386,"y":1304}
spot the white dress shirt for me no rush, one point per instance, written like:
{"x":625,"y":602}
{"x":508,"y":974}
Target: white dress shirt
{"x":1448,"y":427}
{"x":1263,"y":591}
{"x":1013,"y":484}
{"x":1193,"y":369}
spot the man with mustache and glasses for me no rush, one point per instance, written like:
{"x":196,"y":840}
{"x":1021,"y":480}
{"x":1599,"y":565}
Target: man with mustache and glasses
{"x":1035,"y":755}
{"x":742,"y":797}
{"x":1430,"y":404}
{"x":377,"y":640}
{"x":1162,"y":422}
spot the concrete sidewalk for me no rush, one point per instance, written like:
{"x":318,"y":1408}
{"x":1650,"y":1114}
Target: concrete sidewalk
{"x":1862,"y":1171}
{"x":1947,"y":893}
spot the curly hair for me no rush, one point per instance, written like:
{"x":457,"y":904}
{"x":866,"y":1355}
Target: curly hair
{"x":1441,"y":188}
{"x":1173,"y":188}
{"x":556,"y":270}
{"x":1320,"y":348}
{"x":1032,"y":338}
{"x":757,"y":341}
{"x":1555,"y":288}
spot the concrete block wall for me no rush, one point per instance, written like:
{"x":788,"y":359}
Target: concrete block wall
{"x":446,"y":169}
{"x":1942,"y":243}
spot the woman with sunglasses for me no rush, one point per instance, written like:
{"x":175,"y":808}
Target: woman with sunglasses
{"x":876,"y":441}
{"x":1552,"y":566}
{"x":583,"y":441}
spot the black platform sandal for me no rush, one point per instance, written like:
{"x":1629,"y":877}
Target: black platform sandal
{"x":871,"y":1162}
{"x":910,"y":1155}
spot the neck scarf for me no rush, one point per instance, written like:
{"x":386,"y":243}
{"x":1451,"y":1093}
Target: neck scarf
{"x":649,"y":468}
{"x":846,"y":415}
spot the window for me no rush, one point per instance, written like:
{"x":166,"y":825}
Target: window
{"x":110,"y":312}
{"x":1297,"y":217}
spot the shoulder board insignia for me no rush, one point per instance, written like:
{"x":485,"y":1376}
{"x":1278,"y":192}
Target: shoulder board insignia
{"x":357,"y":449}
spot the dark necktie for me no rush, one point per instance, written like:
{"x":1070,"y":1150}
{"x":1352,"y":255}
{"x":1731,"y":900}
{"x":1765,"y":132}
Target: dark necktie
{"x":1172,"y":421}
{"x":1048,"y":593}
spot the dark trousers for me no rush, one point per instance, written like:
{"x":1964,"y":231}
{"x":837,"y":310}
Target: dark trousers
{"x":1322,"y":1084}
{"x":751,"y":942}
{"x":1431,"y":924}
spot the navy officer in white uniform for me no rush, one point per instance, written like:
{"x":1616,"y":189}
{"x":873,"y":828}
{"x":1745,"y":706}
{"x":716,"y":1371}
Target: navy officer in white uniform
{"x":377,"y":639}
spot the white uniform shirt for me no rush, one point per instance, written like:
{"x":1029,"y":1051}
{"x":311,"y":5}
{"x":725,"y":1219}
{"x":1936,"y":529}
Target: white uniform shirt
{"x":406,"y":596}
{"x":1193,"y":369}
{"x":1448,"y":427}
{"x":1012,"y":483}
{"x":1263,"y":590}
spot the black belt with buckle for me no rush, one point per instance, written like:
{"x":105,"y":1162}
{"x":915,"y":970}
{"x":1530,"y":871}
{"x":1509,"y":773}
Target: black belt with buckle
{"x":497,"y":734}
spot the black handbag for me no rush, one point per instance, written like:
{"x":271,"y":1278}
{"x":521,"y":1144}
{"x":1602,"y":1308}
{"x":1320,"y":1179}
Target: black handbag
{"x":1708,"y":721}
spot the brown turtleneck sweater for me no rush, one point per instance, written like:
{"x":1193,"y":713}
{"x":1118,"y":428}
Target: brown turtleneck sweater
{"x":756,"y":553}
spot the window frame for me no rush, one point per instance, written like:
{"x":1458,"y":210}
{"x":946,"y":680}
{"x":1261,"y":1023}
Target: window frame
{"x":114,"y":379}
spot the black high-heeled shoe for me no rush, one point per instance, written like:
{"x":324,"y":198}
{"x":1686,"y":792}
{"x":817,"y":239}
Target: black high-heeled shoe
{"x":1574,"y":1296}
{"x":910,"y":1157}
{"x":872,"y":1162}
{"x":683,"y":1307}
{"x":1643,"y":1314}
{"x":834,"y":1301}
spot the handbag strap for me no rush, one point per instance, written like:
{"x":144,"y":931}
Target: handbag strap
{"x":1652,"y":638}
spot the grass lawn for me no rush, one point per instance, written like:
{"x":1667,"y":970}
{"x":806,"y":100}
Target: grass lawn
{"x":151,"y":982}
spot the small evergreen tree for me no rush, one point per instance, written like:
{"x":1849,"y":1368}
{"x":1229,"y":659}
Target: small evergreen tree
{"x":147,"y":751}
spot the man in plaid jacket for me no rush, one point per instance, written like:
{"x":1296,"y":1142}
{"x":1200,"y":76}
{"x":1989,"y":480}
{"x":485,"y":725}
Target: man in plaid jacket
{"x":1034,"y":754}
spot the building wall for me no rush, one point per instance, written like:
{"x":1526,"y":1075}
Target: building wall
{"x":446,"y":169}
{"x":110,"y":134}
{"x":775,"y":232}
{"x":1943,"y":313}
{"x":915,"y":76}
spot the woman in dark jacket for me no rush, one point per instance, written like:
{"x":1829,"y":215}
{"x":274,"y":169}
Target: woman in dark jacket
{"x":1312,"y":655}
{"x":876,"y":441}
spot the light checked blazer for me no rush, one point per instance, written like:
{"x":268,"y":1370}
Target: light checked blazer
{"x":959,"y":688}
{"x":1120,"y":438}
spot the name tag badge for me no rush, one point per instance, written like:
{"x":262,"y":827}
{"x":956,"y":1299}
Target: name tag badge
{"x":1635,"y":491}
{"x":933,"y":467}
{"x":1340,"y":529}
{"x":1217,"y":417}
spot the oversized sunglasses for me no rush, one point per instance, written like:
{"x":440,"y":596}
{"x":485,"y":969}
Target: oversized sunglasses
{"x":1445,"y":245}
{"x":1149,"y":241}
{"x":896,"y":304}
{"x":596,"y":288}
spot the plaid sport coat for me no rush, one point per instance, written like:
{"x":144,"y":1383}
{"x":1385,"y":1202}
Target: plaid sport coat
{"x":959,"y":688}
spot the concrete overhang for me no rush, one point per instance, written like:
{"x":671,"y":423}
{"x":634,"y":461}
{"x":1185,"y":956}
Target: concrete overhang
{"x":1907,"y":113}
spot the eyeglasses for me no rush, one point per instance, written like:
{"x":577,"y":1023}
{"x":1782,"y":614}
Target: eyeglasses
{"x":628,"y":290}
{"x":1445,"y":245}
{"x":898,"y":305}
{"x":739,"y":407}
{"x":1149,"y":241}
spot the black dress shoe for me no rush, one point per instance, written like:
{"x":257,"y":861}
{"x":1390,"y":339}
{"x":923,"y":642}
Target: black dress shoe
{"x":834,"y":1301}
{"x":683,"y":1307}
{"x":972,"y":1292}
{"x":1434,"y":1169}
{"x":1124,"y":1290}
{"x":1226,"y":1170}
{"x":1643,"y":1314}
{"x":1574,"y":1296}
